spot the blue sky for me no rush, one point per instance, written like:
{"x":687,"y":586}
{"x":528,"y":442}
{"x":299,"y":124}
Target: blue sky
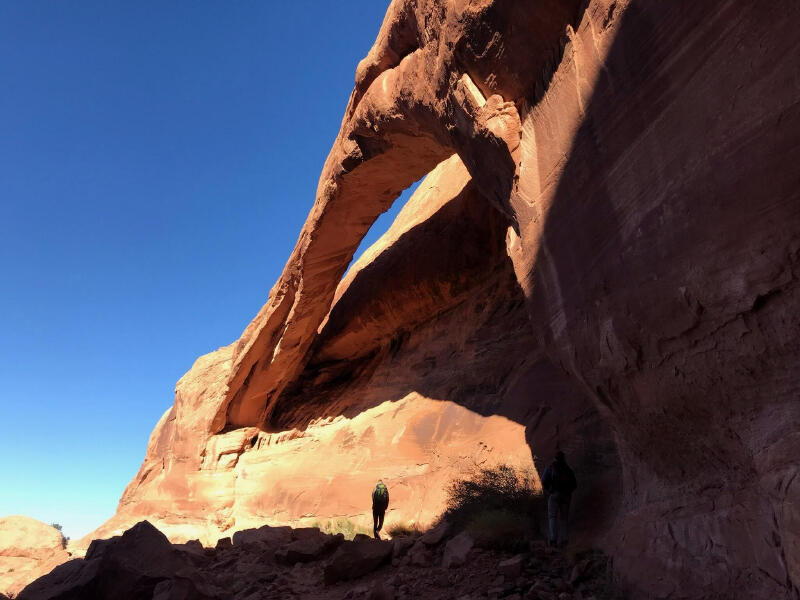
{"x":157,"y":161}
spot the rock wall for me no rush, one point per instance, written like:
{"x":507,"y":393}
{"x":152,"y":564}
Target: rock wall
{"x":659,"y":255}
{"x":605,"y":260}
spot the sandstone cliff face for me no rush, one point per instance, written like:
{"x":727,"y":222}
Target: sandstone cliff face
{"x":666,"y":231}
{"x":604,"y":259}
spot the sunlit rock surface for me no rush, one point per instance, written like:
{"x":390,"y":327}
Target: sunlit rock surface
{"x":28,"y":549}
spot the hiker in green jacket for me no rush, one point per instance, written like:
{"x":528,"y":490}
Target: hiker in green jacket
{"x":380,"y":502}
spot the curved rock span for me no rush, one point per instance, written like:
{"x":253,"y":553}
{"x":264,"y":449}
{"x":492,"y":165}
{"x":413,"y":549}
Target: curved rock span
{"x":603,"y":256}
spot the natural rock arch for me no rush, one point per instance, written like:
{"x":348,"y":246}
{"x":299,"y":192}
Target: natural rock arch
{"x":409,"y":111}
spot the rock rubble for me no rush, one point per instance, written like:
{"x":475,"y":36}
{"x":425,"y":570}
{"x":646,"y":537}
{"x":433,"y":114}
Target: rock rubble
{"x":142,"y":564}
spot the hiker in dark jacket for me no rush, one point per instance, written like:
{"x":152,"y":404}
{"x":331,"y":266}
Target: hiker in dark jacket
{"x":380,"y":502}
{"x":558,"y":481}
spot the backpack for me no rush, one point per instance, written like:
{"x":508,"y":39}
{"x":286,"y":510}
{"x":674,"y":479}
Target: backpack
{"x":562,"y":481}
{"x":381,"y":494}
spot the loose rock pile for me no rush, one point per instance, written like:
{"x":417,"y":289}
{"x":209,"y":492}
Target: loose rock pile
{"x":280,"y":562}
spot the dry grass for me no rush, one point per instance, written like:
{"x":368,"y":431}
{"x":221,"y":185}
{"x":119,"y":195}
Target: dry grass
{"x":342,"y":525}
{"x":410,"y":529}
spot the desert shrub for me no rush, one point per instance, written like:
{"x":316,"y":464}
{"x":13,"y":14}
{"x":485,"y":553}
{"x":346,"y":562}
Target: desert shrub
{"x":409,"y":529}
{"x":342,"y":525}
{"x":499,"y":507}
{"x":59,"y":528}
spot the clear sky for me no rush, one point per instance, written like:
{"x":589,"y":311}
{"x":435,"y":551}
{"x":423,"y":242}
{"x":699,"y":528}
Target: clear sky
{"x":157,"y":160}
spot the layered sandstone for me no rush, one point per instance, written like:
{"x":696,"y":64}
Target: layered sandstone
{"x":605,"y":259}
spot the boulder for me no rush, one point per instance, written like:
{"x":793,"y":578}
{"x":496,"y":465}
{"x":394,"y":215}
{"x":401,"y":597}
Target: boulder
{"x":511,"y":568}
{"x":126,"y":567}
{"x":28,"y":549}
{"x":223,"y":543}
{"x":580,"y":571}
{"x":72,"y":577}
{"x":309,"y":547}
{"x":457,"y":549}
{"x":419,"y":555}
{"x":381,"y":591}
{"x":192,"y":546}
{"x":266,"y":536}
{"x":435,"y":535}
{"x":354,"y":559}
{"x":196,"y":554}
{"x":401,"y":545}
{"x":22,"y":536}
{"x":142,"y":547}
{"x":178,"y":588}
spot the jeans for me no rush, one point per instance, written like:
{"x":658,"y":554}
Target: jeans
{"x":377,"y":518}
{"x":557,"y":516}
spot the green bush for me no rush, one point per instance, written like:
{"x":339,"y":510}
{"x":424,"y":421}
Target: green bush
{"x":64,"y":539}
{"x":499,"y":507}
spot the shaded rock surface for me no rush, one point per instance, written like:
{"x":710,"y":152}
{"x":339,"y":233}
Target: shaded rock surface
{"x":142,"y":564}
{"x":356,"y":558}
{"x":129,"y":566}
{"x":309,"y":548}
{"x":457,"y":550}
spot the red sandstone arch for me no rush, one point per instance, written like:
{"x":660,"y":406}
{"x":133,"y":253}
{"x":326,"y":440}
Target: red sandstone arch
{"x":407,"y":113}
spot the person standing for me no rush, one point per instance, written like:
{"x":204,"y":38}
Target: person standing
{"x":380,"y":502}
{"x":559,"y":482}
